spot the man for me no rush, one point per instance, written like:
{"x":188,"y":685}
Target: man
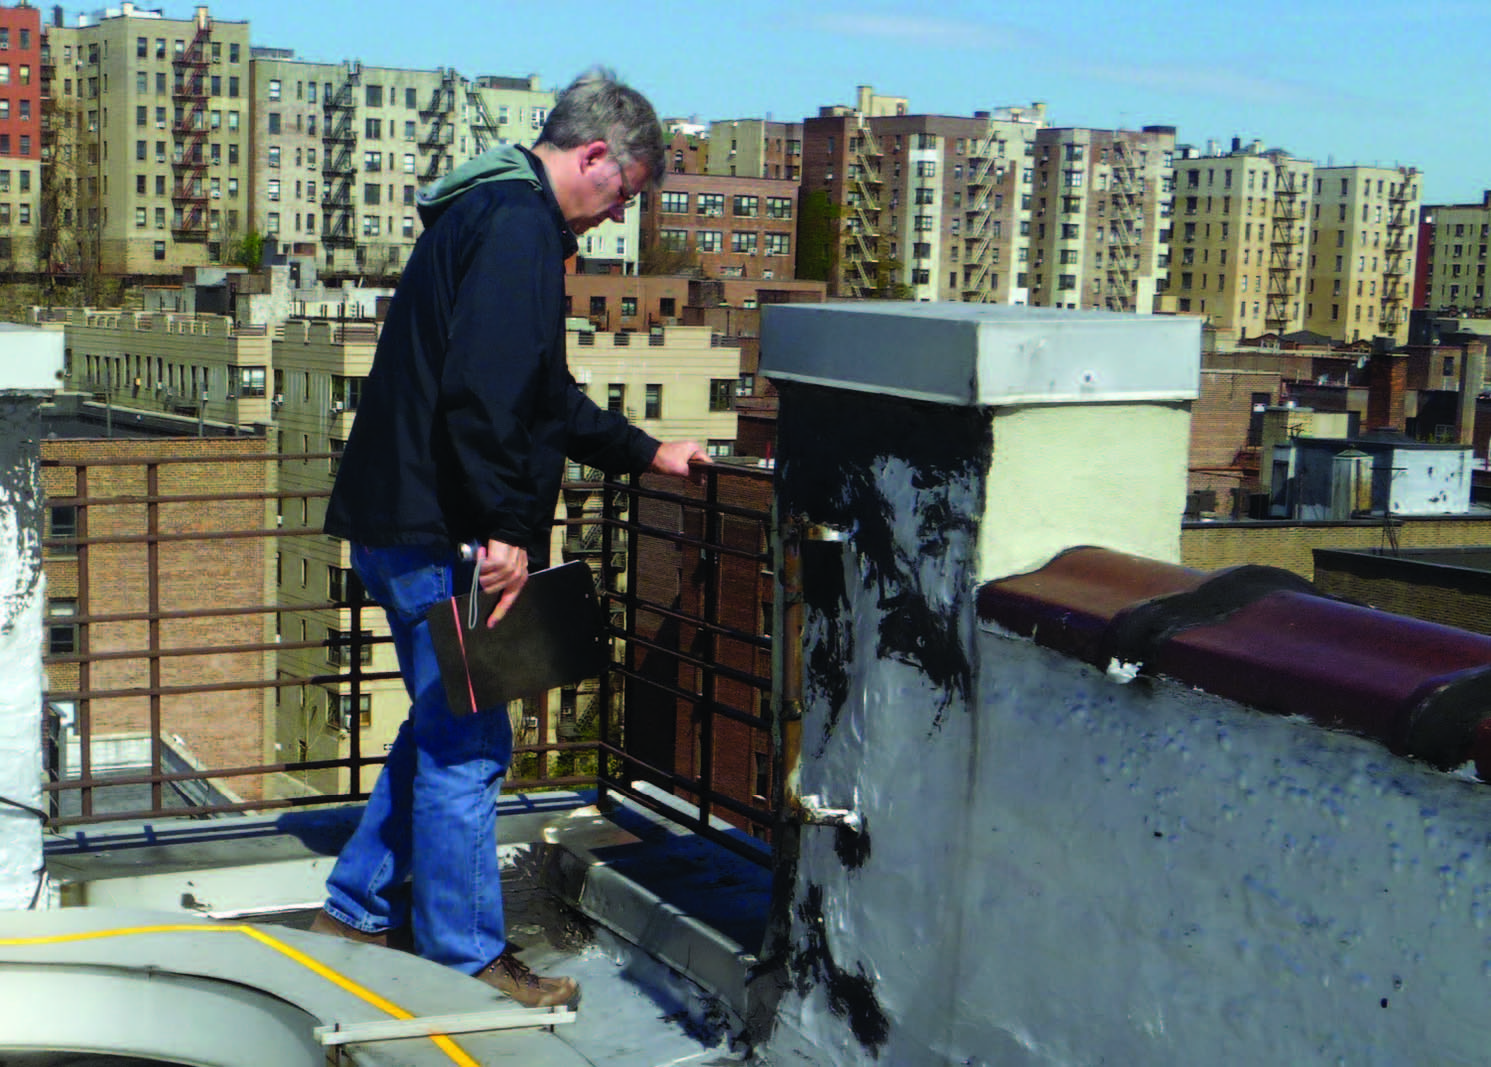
{"x":461,"y":435}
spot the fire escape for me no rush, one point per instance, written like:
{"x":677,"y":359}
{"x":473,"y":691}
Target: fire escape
{"x":483,"y":129}
{"x":435,"y":141}
{"x":863,"y":189}
{"x":1399,"y":251}
{"x":189,"y":219}
{"x":1121,"y":261}
{"x":978,"y":236}
{"x":338,"y":162}
{"x":1285,"y":255}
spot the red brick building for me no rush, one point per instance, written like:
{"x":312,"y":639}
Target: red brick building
{"x":20,"y":83}
{"x":723,"y":227}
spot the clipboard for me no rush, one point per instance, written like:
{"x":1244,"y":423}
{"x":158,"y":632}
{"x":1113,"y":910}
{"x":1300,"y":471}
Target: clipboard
{"x":553,"y":635}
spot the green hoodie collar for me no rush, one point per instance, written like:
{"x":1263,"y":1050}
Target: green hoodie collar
{"x":501,"y":164}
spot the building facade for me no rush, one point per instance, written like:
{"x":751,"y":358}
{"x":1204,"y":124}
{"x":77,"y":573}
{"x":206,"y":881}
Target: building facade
{"x":22,"y":121}
{"x":1363,"y":224}
{"x":924,"y":207}
{"x":721,"y":227}
{"x":151,"y":122}
{"x":1240,"y":239}
{"x":1100,"y":224}
{"x":751,"y":148}
{"x":1455,"y":257}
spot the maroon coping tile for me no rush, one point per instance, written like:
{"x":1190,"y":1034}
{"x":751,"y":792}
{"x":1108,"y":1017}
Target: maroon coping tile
{"x":1262,"y":637}
{"x":1419,"y":687}
{"x":1069,"y":604}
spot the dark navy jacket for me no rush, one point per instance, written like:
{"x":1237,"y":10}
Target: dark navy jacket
{"x":469,"y":410}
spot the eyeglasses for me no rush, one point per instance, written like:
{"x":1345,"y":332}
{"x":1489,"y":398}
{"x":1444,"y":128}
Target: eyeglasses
{"x":627,"y":195}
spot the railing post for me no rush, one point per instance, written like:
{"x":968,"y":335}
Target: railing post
{"x":354,"y":686}
{"x":152,"y":581}
{"x":709,"y":681}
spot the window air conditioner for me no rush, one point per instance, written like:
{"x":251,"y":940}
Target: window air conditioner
{"x":337,"y":407}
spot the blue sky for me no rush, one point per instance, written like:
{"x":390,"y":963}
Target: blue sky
{"x":1387,"y":83}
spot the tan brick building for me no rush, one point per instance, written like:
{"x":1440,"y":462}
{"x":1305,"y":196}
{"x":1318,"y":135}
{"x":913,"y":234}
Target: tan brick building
{"x":164,"y":615}
{"x":1240,"y":239}
{"x":1100,"y":223}
{"x":925,"y":207}
{"x":751,"y":148}
{"x":1456,"y":257}
{"x":1363,"y":226}
{"x":152,"y":133}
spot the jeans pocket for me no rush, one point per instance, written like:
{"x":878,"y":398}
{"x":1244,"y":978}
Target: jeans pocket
{"x":407,"y":581}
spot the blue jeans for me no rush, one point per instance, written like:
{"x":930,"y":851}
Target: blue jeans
{"x":432,"y":815}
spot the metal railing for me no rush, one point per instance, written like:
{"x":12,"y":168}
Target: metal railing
{"x":176,"y":626}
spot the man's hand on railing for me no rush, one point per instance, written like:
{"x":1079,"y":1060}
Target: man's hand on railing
{"x":684,"y":459}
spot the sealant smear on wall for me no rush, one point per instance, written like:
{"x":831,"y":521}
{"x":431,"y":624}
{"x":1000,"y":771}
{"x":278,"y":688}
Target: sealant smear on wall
{"x":888,"y":624}
{"x":20,"y":521}
{"x":850,"y":995}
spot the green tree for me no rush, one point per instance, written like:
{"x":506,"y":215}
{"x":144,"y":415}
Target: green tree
{"x":817,"y":242}
{"x":248,"y":250}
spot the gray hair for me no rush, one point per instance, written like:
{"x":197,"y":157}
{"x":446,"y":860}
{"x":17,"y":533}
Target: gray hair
{"x":598,"y":107}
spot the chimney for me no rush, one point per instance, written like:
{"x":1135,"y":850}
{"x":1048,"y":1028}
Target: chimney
{"x":1059,"y":428}
{"x":1472,"y":381}
{"x":33,"y":366}
{"x":1387,"y":385}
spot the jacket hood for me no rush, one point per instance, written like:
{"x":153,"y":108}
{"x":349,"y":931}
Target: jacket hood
{"x":505,"y":163}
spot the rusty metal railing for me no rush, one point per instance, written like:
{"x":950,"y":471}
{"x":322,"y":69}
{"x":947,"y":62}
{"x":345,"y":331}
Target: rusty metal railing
{"x":185,"y":603}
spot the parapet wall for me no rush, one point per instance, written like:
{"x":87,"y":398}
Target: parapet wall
{"x":1108,"y":810}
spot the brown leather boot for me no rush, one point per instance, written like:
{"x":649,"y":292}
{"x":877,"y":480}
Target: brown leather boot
{"x":512,"y":976}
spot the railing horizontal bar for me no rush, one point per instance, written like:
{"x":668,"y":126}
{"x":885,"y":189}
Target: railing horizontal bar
{"x":654,"y":608}
{"x":215,"y":687}
{"x":685,"y":658}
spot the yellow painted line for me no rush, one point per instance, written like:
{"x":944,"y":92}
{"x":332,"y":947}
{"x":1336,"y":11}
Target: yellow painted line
{"x":341,"y":981}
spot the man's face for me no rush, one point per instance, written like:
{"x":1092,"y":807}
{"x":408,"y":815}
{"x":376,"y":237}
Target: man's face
{"x":609,"y":188}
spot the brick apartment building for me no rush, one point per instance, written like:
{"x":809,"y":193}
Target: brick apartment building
{"x":21,"y":126}
{"x":723,"y":227}
{"x":101,"y":600}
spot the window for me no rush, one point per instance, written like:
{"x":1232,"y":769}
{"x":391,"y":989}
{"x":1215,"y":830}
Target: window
{"x":370,"y":194}
{"x":250,"y":381}
{"x":274,"y":88}
{"x":743,"y":242}
{"x":274,"y":122}
{"x":778,"y":244}
{"x":63,"y":519}
{"x":721,"y":394}
{"x":273,"y":188}
{"x":628,"y":307}
{"x":272,"y":222}
{"x":709,"y":240}
{"x":160,"y":250}
{"x":373,"y":128}
{"x":374,"y":96}
{"x":712,"y":204}
{"x":926,"y":168}
{"x":370,"y":225}
{"x":62,"y":633}
{"x":675,"y":203}
{"x":346,"y":390}
{"x":716,"y":448}
{"x":339,"y":647}
{"x":779,"y":207}
{"x":745,"y":206}
{"x":654,"y":402}
{"x":616,"y":397}
{"x":674,"y":240}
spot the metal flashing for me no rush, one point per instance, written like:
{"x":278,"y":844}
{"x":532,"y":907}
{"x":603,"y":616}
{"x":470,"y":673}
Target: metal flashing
{"x":984,"y":355}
